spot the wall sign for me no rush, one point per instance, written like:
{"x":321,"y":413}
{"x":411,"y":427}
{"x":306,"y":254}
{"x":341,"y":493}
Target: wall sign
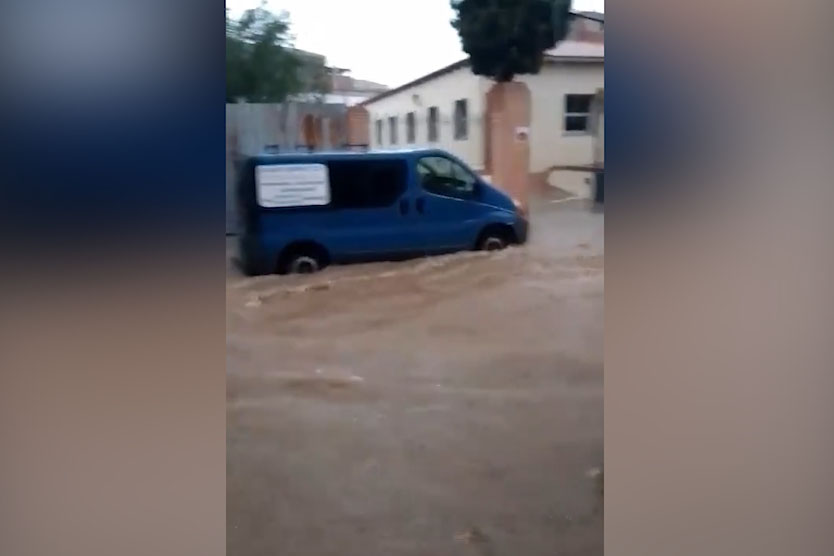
{"x":522,"y":133}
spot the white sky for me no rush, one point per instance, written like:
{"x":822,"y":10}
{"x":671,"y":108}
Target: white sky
{"x":388,"y":41}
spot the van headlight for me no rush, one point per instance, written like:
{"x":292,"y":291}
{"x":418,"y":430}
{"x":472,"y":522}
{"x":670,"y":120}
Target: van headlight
{"x":519,"y":207}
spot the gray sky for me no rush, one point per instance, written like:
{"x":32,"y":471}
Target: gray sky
{"x":388,"y":41}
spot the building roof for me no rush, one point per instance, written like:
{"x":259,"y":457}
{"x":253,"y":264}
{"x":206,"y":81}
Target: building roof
{"x":593,"y":16}
{"x":565,"y":51}
{"x":348,"y":83}
{"x":308,"y":56}
{"x":428,"y":77}
{"x":577,"y":49}
{"x":346,"y":153}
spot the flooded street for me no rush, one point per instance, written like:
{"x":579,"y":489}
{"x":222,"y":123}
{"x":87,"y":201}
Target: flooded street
{"x":443,"y":406}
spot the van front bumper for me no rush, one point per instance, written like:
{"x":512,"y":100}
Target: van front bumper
{"x":522,"y":229}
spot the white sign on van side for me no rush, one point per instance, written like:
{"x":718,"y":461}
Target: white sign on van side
{"x":292,"y":185}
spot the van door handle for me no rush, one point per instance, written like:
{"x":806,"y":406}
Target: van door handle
{"x":420,"y":204}
{"x":403,"y":206}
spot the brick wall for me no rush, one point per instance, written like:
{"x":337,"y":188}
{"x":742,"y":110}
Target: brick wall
{"x":509,"y":158}
{"x":358,"y":126}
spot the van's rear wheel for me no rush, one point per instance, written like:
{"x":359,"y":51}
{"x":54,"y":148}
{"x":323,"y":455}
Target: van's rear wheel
{"x":302,"y":259}
{"x":304,"y":264}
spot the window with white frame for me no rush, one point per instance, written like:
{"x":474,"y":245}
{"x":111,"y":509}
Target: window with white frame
{"x":577,"y":110}
{"x":379,"y":132}
{"x":392,"y":124}
{"x":461,"y":120}
{"x":410,"y":128}
{"x":432,"y":124}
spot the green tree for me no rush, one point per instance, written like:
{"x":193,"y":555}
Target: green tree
{"x":504,"y":38}
{"x":261,"y":65}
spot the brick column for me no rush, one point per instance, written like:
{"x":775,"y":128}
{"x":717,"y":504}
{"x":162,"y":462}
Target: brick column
{"x":508,"y":111}
{"x":307,"y":131}
{"x":358,"y":125}
{"x":317,"y":132}
{"x":336,"y":135}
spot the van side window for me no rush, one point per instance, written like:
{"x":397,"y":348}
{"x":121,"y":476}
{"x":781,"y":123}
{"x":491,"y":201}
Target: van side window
{"x":444,"y":176}
{"x":366,"y":183}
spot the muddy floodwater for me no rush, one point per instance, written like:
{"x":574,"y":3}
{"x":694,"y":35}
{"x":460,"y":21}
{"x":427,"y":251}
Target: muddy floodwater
{"x":442,"y":406}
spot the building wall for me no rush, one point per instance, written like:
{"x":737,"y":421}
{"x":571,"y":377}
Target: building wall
{"x":582,"y":29}
{"x":598,"y":127}
{"x":442,"y":92}
{"x":550,"y":145}
{"x":599,"y":147}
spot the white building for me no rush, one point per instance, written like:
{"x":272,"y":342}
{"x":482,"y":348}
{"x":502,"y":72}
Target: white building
{"x":344,"y":89}
{"x":446,"y":109}
{"x":341,"y":88}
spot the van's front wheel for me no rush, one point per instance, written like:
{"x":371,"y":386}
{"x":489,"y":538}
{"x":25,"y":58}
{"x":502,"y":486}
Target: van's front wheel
{"x":493,"y":243}
{"x":494,"y":239}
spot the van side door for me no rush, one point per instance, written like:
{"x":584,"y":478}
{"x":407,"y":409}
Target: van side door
{"x":370,"y":218}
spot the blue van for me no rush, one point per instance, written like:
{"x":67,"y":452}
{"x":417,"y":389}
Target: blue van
{"x":302,"y":211}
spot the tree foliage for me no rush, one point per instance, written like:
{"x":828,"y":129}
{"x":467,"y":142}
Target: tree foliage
{"x":261,"y":65}
{"x":504,"y":38}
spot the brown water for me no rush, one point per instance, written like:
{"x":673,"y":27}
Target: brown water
{"x":450,"y":405}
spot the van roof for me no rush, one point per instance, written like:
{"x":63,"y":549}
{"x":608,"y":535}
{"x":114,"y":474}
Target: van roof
{"x":375,"y":153}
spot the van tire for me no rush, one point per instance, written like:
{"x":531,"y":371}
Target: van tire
{"x":495,"y":238}
{"x":302,"y":258}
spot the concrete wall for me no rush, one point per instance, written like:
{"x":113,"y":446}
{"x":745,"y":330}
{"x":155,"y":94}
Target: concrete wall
{"x":441,"y":92}
{"x":599,"y":142}
{"x":550,"y":145}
